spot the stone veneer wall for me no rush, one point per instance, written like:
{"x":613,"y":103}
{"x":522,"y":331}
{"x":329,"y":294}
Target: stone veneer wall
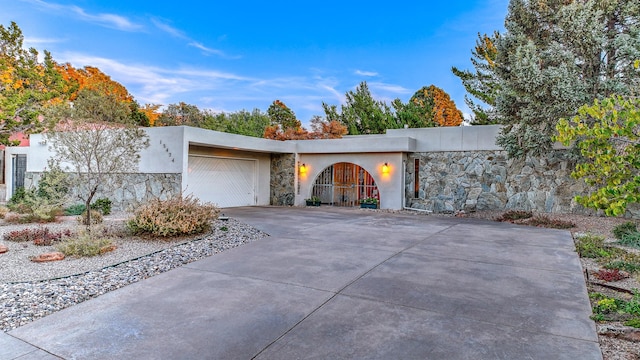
{"x":489,"y":180}
{"x":283,"y":167}
{"x":138,"y":189}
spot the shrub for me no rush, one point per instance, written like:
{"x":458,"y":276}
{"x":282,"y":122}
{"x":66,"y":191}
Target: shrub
{"x":76,"y":209}
{"x":173,"y":217}
{"x":103,"y":205}
{"x":607,"y":305}
{"x":512,"y":215}
{"x":85,"y":245}
{"x":543,"y":221}
{"x":635,"y":322}
{"x":96,"y":217}
{"x":626,"y":228}
{"x":610,"y":275}
{"x":17,"y":198}
{"x":631,"y":239}
{"x":626,"y":265}
{"x":592,"y":246}
{"x":41,"y":236}
{"x":3,"y":211}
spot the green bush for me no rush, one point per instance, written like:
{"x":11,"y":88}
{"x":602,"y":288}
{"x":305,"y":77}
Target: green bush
{"x":173,"y":217}
{"x":625,"y":265}
{"x":103,"y":205}
{"x":631,"y":239}
{"x":635,"y":322}
{"x":41,"y":204}
{"x":17,"y":198}
{"x":85,"y":245}
{"x":593,"y":246}
{"x":626,"y":228}
{"x":76,"y":209}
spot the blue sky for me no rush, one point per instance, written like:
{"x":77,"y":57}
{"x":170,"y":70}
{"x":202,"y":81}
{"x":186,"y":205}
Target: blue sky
{"x":233,"y":55}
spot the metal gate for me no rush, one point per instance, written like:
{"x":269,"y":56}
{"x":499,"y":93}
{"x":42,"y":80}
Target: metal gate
{"x":344,"y":184}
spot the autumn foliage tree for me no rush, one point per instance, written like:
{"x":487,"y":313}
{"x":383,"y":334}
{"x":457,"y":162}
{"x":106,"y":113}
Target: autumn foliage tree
{"x":285,"y":126}
{"x":444,"y":111}
{"x":27,"y":86}
{"x":92,"y":78}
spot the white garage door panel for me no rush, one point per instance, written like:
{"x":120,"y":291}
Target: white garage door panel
{"x":225,"y":182}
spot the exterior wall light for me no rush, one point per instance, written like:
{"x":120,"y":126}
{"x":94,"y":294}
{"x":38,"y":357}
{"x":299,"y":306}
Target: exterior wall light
{"x":385,"y":168}
{"x":303,"y":168}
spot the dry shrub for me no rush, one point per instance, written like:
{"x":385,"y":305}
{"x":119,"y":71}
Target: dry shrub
{"x":3,"y":211}
{"x":513,"y":215}
{"x":40,"y":236}
{"x":96,"y":218}
{"x":85,"y":245}
{"x":544,"y":221}
{"x":173,"y":217}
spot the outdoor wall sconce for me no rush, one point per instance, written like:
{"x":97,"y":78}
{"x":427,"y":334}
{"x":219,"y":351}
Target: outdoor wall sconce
{"x":303,"y":168}
{"x":385,"y":168}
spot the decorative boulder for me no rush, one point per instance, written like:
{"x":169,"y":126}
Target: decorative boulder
{"x":52,"y":256}
{"x":3,"y":249}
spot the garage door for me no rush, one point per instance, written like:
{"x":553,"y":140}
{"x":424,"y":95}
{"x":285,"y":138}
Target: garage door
{"x":222,"y":181}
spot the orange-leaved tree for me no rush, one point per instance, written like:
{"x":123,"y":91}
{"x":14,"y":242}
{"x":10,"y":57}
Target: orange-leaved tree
{"x":444,"y":111}
{"x":152,"y":113}
{"x":92,"y":78}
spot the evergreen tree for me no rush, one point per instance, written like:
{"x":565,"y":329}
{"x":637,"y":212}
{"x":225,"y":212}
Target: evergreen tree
{"x":362,"y":114}
{"x":557,"y":55}
{"x":481,"y":85}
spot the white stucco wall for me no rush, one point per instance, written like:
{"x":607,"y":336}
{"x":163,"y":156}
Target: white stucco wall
{"x":164,"y":154}
{"x":390,"y":185}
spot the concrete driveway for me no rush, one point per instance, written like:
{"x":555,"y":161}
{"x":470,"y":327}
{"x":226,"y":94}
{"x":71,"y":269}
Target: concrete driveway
{"x":335,"y":283}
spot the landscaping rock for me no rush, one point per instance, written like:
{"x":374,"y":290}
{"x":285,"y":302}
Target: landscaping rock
{"x":47,"y":257}
{"x":3,"y":249}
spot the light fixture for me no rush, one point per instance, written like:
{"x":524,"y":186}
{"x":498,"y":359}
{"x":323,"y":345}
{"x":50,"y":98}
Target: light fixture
{"x":303,"y":168}
{"x":385,"y":168}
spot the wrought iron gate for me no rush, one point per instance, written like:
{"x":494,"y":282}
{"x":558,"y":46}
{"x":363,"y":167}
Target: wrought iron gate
{"x":344,"y":184}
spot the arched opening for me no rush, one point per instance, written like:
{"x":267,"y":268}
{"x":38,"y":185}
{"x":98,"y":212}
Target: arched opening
{"x":344,"y":184}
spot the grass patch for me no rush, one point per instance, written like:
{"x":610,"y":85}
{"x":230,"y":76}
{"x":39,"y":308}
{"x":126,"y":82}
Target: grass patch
{"x":631,"y":239}
{"x":626,"y":228}
{"x":593,"y":247}
{"x":630,"y":266}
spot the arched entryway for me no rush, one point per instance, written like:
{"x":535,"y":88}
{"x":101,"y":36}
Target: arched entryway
{"x":344,"y":184}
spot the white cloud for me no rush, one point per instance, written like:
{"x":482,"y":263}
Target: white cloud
{"x":190,"y":42}
{"x":366,"y":73}
{"x":151,"y":84}
{"x":169,"y":29}
{"x":28,"y":41}
{"x":206,"y":49}
{"x":105,"y":19}
{"x":388,"y":88}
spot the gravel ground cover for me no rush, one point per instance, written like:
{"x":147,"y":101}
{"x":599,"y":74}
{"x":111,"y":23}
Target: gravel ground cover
{"x":29,"y":291}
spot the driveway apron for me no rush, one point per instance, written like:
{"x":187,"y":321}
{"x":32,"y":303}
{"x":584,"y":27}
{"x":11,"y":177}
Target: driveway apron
{"x":332,"y":283}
